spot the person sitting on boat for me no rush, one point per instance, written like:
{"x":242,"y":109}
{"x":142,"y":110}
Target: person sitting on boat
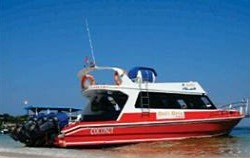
{"x":113,"y":102}
{"x":78,"y":118}
{"x":63,"y":119}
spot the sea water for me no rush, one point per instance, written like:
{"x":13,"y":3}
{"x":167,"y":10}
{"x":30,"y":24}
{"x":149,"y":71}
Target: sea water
{"x":237,"y":144}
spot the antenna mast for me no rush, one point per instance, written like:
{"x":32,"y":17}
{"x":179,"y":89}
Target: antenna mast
{"x":90,"y":41}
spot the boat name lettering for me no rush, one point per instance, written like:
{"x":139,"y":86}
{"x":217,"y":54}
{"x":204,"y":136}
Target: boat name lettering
{"x":103,"y":130}
{"x":170,"y":114}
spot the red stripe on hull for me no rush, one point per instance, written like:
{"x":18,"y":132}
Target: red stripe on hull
{"x":149,"y":132}
{"x":130,"y":118}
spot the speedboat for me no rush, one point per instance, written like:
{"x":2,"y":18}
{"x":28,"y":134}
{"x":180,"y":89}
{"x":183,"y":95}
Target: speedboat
{"x":136,"y":109}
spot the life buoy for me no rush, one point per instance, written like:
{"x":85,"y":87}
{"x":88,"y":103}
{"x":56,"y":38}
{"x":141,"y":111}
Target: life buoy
{"x":85,"y":79}
{"x":117,"y":78}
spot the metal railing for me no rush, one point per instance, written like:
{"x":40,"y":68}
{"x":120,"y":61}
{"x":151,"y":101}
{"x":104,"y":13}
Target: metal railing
{"x":242,"y":106}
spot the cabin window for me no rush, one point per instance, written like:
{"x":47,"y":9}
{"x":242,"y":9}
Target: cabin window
{"x":206,"y":102}
{"x":105,"y":105}
{"x":182,"y":103}
{"x":174,"y":101}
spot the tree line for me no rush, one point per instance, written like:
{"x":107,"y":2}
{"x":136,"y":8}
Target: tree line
{"x":6,"y":119}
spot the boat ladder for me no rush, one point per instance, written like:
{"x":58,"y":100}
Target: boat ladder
{"x":144,"y":97}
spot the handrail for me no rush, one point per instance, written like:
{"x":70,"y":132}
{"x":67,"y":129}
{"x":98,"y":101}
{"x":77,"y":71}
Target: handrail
{"x":242,"y":106}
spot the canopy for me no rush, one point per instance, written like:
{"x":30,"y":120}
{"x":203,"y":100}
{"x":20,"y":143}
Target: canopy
{"x":147,"y":73}
{"x":41,"y":108}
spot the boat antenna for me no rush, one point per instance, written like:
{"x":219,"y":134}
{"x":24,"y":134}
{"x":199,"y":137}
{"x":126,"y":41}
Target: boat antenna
{"x":90,"y":41}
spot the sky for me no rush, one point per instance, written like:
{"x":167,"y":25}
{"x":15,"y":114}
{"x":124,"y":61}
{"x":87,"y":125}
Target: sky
{"x":43,"y":45}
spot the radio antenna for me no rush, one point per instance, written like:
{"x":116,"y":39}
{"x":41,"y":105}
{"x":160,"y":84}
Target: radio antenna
{"x":90,"y":42}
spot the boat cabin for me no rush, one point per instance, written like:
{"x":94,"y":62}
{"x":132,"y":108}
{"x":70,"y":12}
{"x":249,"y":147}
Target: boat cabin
{"x":138,"y":92}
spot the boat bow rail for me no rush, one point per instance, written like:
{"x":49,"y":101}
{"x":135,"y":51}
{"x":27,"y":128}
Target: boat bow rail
{"x":241,"y":106}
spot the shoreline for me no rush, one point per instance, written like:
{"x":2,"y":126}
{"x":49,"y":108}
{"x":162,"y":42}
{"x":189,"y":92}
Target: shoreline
{"x":15,"y":155}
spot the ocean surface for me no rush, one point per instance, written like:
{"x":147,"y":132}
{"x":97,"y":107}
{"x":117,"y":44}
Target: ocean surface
{"x":237,"y":144}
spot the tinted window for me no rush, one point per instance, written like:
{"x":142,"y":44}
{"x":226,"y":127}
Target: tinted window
{"x":108,"y":101}
{"x":106,"y":105}
{"x":182,"y":103}
{"x":173,"y":101}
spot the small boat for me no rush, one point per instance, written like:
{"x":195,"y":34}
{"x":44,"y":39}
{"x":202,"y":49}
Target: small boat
{"x":134,"y":109}
{"x":4,"y":131}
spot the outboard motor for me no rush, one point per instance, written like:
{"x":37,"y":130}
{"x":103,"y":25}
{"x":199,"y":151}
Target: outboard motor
{"x":40,"y":130}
